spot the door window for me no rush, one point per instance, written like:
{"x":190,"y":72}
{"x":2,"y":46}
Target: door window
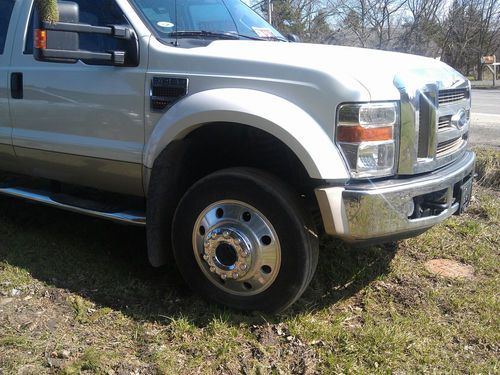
{"x":6,"y":7}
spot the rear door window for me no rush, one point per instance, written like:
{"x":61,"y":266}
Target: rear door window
{"x":6,"y":7}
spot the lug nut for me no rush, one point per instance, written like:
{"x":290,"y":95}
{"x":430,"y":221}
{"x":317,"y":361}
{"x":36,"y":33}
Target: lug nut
{"x":223,"y":276}
{"x":212,"y":269}
{"x":243,"y":267}
{"x":205,"y":257}
{"x":235,"y":275}
{"x":226,"y":234}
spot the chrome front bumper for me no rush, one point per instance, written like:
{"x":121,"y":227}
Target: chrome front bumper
{"x":375,"y":211}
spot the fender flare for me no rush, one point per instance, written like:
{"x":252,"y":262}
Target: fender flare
{"x":275,"y":115}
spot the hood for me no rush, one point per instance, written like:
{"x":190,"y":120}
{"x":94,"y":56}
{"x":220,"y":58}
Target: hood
{"x":373,"y":69}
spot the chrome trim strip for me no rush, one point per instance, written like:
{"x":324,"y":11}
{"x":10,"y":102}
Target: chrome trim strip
{"x":129,"y":217}
{"x":408,"y":143}
{"x":450,"y":133}
{"x":452,"y":108}
{"x":427,"y":123}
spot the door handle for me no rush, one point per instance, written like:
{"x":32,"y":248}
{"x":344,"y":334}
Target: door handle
{"x":16,"y":85}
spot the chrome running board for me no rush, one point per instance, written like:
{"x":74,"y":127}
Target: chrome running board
{"x":129,"y":217}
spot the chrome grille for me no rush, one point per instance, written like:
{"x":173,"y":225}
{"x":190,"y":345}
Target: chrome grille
{"x":444,"y":122}
{"x":433,"y":130}
{"x":449,"y":146}
{"x":452,"y":95}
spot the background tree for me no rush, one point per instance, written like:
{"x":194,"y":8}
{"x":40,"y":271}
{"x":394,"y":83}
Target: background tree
{"x":470,"y":30}
{"x":354,"y":22}
{"x":419,"y":27}
{"x":308,"y":19}
{"x":385,"y":21}
{"x":488,"y":31}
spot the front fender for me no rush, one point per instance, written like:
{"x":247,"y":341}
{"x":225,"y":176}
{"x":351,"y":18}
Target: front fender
{"x":281,"y":118}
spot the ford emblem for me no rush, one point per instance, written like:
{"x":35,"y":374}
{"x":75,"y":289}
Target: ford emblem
{"x":459,"y":119}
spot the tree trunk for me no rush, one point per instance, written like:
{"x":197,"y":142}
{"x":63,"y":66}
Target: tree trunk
{"x":479,"y":69}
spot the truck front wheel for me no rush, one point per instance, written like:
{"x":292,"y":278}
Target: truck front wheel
{"x":242,"y":239}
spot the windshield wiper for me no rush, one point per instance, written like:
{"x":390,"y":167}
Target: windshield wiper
{"x":198,"y":33}
{"x":268,"y":38}
{"x":214,"y":34}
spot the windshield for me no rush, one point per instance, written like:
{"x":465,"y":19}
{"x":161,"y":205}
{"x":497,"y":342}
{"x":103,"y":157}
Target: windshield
{"x":205,"y":18}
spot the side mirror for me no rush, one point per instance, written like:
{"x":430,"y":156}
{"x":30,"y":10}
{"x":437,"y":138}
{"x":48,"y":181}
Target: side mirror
{"x":59,"y":41}
{"x":47,"y":41}
{"x":293,"y":38}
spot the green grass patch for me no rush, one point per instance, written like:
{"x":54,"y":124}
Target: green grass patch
{"x":14,"y":341}
{"x":488,"y":167}
{"x":12,"y":277}
{"x":92,"y":361}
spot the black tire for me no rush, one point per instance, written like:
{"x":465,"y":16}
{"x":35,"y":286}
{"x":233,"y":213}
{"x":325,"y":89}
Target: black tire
{"x":282,"y":209}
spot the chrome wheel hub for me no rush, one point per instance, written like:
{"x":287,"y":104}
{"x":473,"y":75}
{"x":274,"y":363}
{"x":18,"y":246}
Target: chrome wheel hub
{"x":236,"y":247}
{"x":228,"y":253}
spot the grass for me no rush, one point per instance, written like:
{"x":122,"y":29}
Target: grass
{"x":91,"y":360}
{"x":488,"y":167}
{"x":89,"y":303}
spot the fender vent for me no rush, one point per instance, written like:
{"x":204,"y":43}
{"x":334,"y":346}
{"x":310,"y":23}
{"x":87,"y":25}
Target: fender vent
{"x":165,"y":91}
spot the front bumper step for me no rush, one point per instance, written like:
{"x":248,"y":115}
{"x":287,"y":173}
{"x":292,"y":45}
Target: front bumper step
{"x":372,"y":211}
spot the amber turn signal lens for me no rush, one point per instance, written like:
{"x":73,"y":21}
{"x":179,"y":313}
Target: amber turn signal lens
{"x":355,"y":134}
{"x":40,"y":39}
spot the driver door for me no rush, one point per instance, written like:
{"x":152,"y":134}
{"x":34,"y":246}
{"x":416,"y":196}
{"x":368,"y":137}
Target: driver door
{"x":80,"y":123}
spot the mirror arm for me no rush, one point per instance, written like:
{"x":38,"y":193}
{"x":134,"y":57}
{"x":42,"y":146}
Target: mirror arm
{"x":116,"y":57}
{"x":121,"y":32}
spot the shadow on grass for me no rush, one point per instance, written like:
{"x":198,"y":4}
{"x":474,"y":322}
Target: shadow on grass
{"x":107,"y":264}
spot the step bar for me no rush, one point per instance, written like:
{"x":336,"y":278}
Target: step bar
{"x":128,"y":217}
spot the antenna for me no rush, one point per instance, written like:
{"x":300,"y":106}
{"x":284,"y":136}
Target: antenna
{"x":176,"y":44}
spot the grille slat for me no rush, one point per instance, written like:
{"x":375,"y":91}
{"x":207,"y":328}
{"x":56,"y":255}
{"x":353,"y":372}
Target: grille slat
{"x":444,"y":123}
{"x":448,"y":147}
{"x":452,"y":95}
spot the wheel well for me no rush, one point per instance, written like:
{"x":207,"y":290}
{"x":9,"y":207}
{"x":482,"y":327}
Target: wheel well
{"x":224,"y":145}
{"x":205,"y":150}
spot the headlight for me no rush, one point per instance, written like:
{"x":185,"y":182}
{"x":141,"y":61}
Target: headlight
{"x":366,"y":134}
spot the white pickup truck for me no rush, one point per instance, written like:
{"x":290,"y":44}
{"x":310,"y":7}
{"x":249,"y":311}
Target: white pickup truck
{"x":234,"y":146}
